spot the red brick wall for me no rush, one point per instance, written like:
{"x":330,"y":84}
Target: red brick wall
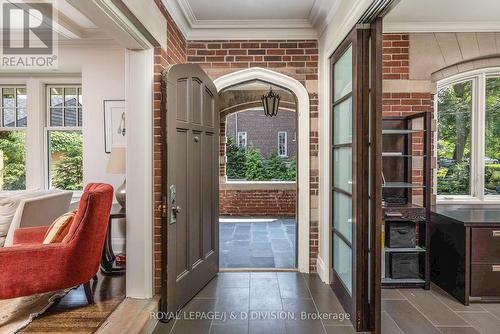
{"x":175,"y":54}
{"x":295,"y":58}
{"x":254,"y":203}
{"x":395,"y":56}
{"x":402,"y":104}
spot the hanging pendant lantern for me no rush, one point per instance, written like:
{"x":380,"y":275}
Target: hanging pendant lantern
{"x":271,"y":103}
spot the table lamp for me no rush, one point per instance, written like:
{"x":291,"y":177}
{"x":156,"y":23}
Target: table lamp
{"x":116,"y":165}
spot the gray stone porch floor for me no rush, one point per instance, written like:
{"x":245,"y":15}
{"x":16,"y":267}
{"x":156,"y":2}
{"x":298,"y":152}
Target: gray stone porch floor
{"x":257,"y":243}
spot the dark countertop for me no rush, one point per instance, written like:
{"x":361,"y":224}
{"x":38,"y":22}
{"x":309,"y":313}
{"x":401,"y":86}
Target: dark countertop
{"x":485,"y":214}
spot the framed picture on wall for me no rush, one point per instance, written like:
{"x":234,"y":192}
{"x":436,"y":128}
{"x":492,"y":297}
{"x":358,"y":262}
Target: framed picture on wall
{"x":114,"y":124}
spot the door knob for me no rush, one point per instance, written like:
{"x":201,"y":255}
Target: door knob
{"x":176,"y":209}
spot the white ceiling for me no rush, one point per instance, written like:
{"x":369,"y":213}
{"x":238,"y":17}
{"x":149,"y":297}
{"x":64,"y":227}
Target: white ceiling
{"x":444,"y":15}
{"x":250,"y":10}
{"x":257,"y":19}
{"x":74,"y":15}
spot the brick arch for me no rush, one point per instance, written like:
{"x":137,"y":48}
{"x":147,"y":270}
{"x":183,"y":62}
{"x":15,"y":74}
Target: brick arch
{"x":465,"y":66}
{"x":303,"y":130}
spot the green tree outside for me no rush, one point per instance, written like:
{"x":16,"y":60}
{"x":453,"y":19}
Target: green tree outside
{"x":12,"y":144}
{"x":67,"y":150}
{"x":250,"y":165}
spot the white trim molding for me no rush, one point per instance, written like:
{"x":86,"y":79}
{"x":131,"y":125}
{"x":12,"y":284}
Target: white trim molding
{"x":195,"y":29}
{"x":257,"y":73}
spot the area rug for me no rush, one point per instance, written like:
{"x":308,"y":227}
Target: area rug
{"x":17,"y":313}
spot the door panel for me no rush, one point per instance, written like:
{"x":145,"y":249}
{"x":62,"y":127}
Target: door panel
{"x":190,"y":184}
{"x":207,"y":185}
{"x":196,"y":100}
{"x":181,"y":232}
{"x":355,"y":153}
{"x":195,"y":196}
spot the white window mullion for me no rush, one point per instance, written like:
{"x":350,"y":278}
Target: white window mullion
{"x":478,"y":136}
{"x":474,"y":139}
{"x":34,"y":135}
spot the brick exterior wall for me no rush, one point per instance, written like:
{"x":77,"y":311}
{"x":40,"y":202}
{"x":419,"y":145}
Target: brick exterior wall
{"x":298,"y":59}
{"x":175,"y":54}
{"x":262,"y":131}
{"x":395,"y":56}
{"x":255,"y":203}
{"x":295,"y":58}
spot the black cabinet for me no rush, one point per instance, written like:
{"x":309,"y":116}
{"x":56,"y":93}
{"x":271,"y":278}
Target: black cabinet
{"x":465,"y":251}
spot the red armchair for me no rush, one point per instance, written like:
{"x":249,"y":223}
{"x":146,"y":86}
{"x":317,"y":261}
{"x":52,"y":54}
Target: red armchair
{"x":31,"y":267}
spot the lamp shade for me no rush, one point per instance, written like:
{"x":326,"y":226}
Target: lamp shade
{"x":116,"y":162}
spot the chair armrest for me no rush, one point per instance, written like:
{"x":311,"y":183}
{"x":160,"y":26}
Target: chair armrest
{"x":30,"y":235}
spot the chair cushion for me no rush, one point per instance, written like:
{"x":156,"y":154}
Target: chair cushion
{"x":59,"y":228}
{"x":8,"y":207}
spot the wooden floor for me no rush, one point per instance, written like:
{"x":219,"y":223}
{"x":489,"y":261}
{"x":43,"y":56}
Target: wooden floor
{"x":73,"y":314}
{"x":435,"y":312}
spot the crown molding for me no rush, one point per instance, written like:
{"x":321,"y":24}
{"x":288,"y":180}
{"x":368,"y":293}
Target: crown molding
{"x":322,"y":13}
{"x":195,"y":29}
{"x":416,"y":27}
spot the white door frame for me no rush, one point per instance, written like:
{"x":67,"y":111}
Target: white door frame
{"x":303,"y":173}
{"x":139,"y":75}
{"x":139,"y":240}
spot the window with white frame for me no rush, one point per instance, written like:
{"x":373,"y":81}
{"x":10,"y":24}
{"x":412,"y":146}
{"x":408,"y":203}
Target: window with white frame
{"x":64,"y":137}
{"x":282,"y":143}
{"x":13,"y":122}
{"x":242,"y":139}
{"x":468,"y":137}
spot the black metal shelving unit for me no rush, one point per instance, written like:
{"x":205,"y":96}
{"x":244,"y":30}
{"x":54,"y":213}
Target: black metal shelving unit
{"x":406,"y":192}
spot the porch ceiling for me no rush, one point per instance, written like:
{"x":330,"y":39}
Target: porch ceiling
{"x":244,"y":19}
{"x":444,"y":16}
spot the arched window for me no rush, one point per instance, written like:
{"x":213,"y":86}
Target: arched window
{"x":468,"y":137}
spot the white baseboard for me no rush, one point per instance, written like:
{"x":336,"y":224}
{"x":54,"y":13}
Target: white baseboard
{"x":323,"y":271}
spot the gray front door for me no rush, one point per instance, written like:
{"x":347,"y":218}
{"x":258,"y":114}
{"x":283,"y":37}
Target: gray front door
{"x":191,"y":188}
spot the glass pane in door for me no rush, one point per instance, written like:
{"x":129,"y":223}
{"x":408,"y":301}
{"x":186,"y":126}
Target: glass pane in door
{"x":342,"y":261}
{"x":342,"y":75}
{"x":342,"y":159}
{"x":342,"y":118}
{"x":342,"y":217}
{"x":342,"y":122}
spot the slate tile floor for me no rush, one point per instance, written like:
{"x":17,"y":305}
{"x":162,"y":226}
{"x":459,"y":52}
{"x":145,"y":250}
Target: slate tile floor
{"x":257,"y":243}
{"x":258,"y":295}
{"x":416,"y":311}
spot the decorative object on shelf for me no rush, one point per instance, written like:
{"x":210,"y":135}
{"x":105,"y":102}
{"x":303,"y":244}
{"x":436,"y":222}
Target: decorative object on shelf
{"x":271,"y":103}
{"x":116,"y":165}
{"x":114,"y":124}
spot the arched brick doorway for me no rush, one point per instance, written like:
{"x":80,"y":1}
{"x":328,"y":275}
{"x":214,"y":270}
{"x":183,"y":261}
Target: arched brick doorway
{"x":303,"y":135}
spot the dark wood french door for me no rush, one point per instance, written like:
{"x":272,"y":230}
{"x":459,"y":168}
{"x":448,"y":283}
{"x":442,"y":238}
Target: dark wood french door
{"x":190,"y":184}
{"x":356,"y":189}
